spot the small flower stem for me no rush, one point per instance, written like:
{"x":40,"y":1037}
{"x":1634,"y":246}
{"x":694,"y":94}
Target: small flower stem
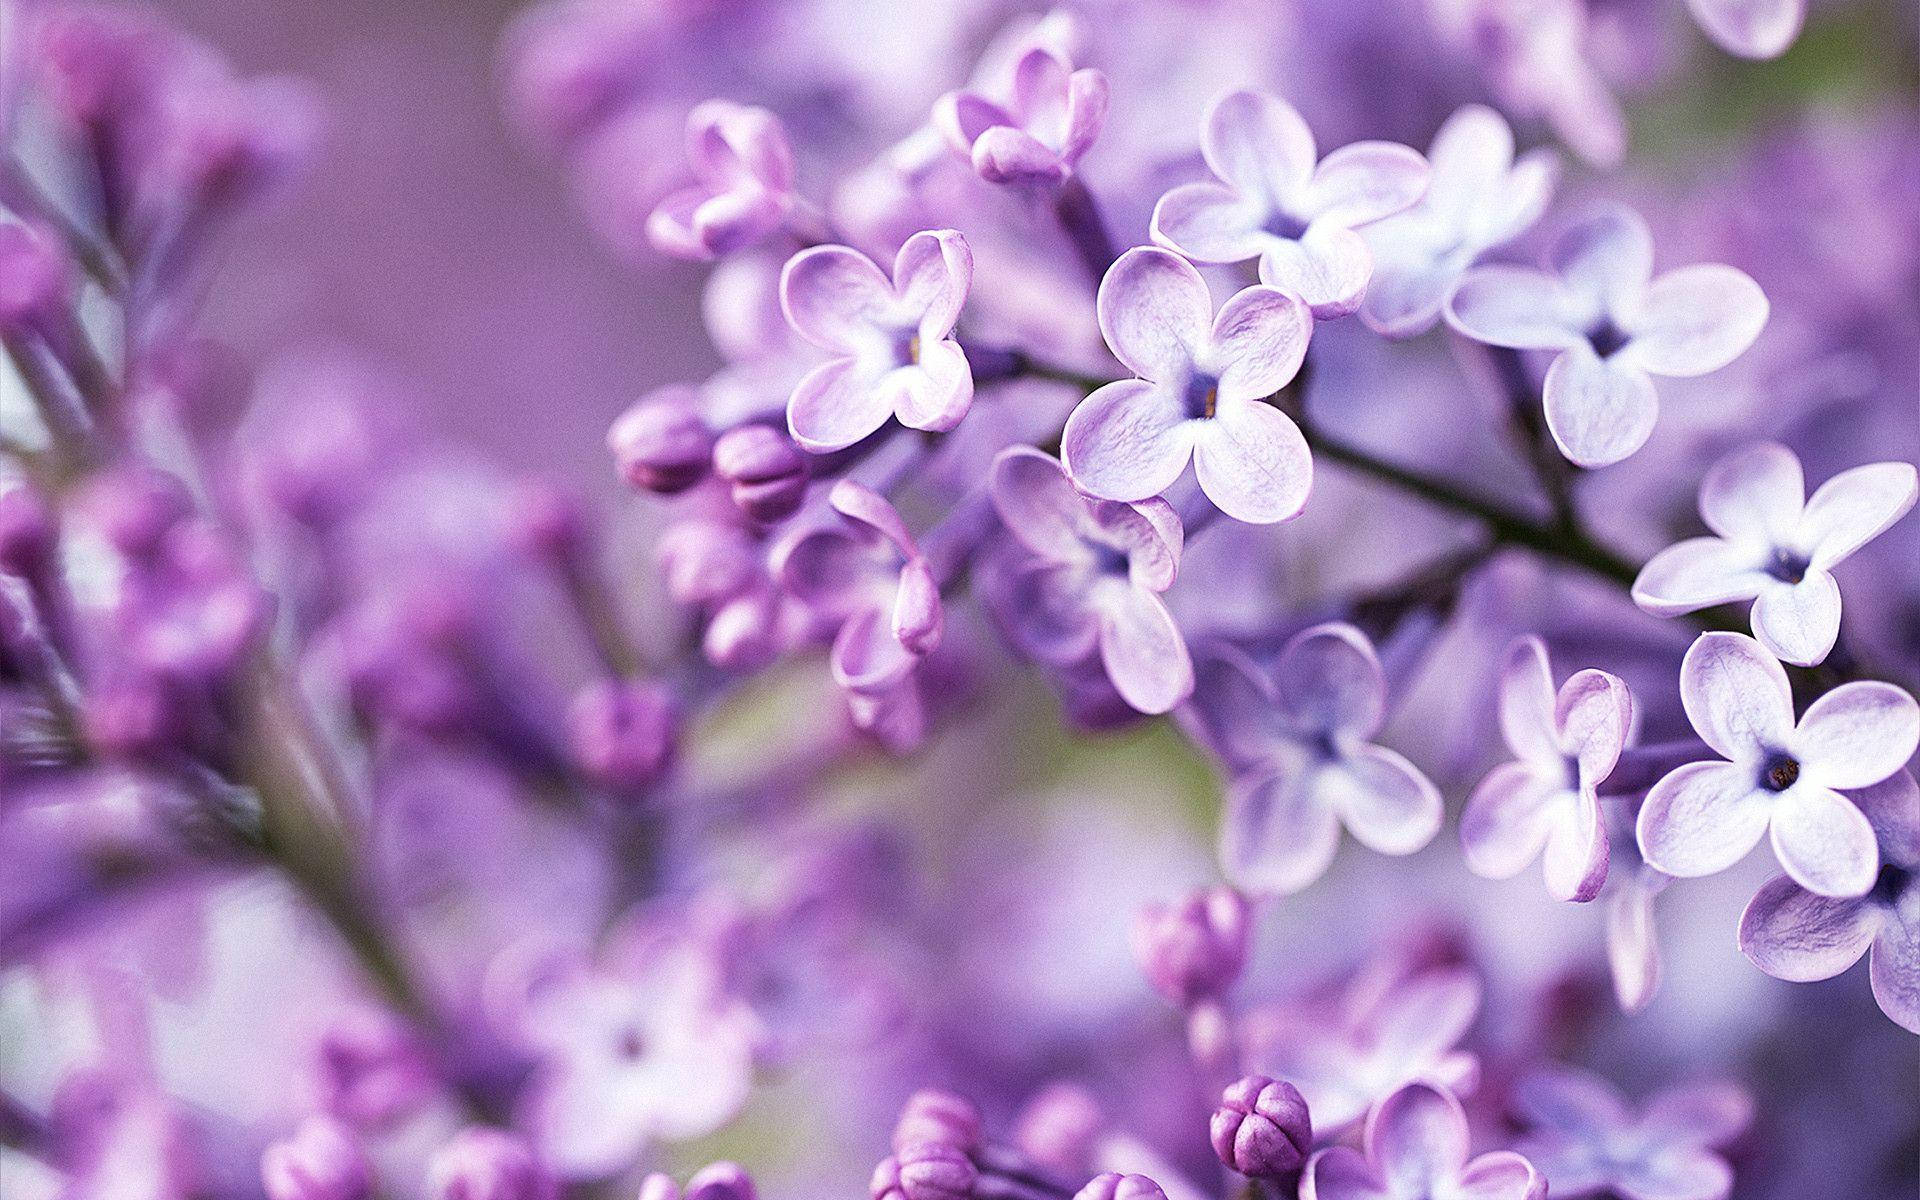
{"x":1080,"y":218}
{"x":1550,"y":467}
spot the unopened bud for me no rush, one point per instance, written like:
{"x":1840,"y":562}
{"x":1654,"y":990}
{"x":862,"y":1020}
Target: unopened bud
{"x":1194,"y":949}
{"x":1261,"y":1128}
{"x":488,"y":1164}
{"x":934,"y":1117}
{"x":661,"y":443}
{"x":768,"y":473}
{"x":621,"y":733}
{"x":936,"y":1171}
{"x":721,"y":1181}
{"x":321,"y":1161}
{"x":1115,"y":1186}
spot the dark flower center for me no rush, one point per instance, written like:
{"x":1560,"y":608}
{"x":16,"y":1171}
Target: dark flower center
{"x":1202,"y":396}
{"x":1788,"y":567}
{"x":630,"y":1045}
{"x":1109,"y":560}
{"x":1891,"y":883}
{"x":1782,"y":773}
{"x":1606,"y":338}
{"x":1286,"y":225}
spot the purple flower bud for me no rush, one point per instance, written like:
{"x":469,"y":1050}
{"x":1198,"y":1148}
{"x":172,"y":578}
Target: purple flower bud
{"x":321,"y":1161}
{"x":132,"y":716}
{"x":721,"y":1181}
{"x":621,"y":733}
{"x":35,"y":281}
{"x":547,"y":522}
{"x":936,"y":1171}
{"x":1058,"y":1127}
{"x":28,"y":533}
{"x":135,"y":509}
{"x":885,"y":1183}
{"x":936,"y":1118}
{"x":708,"y":562}
{"x":1115,"y":1186}
{"x":1193,"y":950}
{"x":372,"y":1070}
{"x":488,"y":1164}
{"x":659,"y":1186}
{"x":1261,"y":1128}
{"x":768,"y":472}
{"x":661,"y":443}
{"x":744,"y":634}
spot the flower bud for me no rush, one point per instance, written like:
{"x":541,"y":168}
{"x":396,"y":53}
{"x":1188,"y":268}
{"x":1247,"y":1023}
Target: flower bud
{"x":1058,"y":1127}
{"x":28,"y":532}
{"x":1261,"y":1128}
{"x":1115,"y":1186}
{"x":1194,"y":949}
{"x":35,"y":282}
{"x":744,"y":634}
{"x":721,"y":1181}
{"x":620,"y":734}
{"x":547,"y":523}
{"x":936,"y":1171}
{"x":372,"y":1071}
{"x":661,"y":444}
{"x":659,"y":1186}
{"x":135,"y":509}
{"x":706,"y":562}
{"x":934,"y":1117}
{"x":488,"y":1164}
{"x":885,"y":1181}
{"x":321,"y":1161}
{"x":768,"y":472}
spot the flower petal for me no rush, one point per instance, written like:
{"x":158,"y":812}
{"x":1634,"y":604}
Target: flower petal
{"x":1751,"y":28}
{"x":1340,"y":1173}
{"x":1565,"y":1100}
{"x":1259,"y":144}
{"x":1417,"y":1138}
{"x":1252,"y":462}
{"x":1798,"y":622}
{"x":936,"y":392}
{"x":1710,"y":1113}
{"x":1854,"y":507}
{"x":1128,"y":440}
{"x":1633,"y":952}
{"x":1796,"y":935}
{"x":1736,"y":695}
{"x":1501,"y":1175}
{"x":1155,"y":313}
{"x":1695,"y":574}
{"x":1895,"y":972}
{"x":1277,"y":836}
{"x":866,"y":657}
{"x":1506,"y":821}
{"x":931,"y":276}
{"x":1259,"y":339}
{"x":1824,"y":842}
{"x":1677,"y":1173}
{"x":1577,"y":851}
{"x":1857,"y":734}
{"x":1233,"y":707}
{"x":1471,"y":155}
{"x":1384,"y":800}
{"x":1754,"y":494}
{"x":1893,"y":809}
{"x":835,"y":405}
{"x":866,"y":507}
{"x":1328,"y":267}
{"x":1331,"y":681}
{"x":1038,"y":504}
{"x":1520,"y":200}
{"x":1408,"y":288}
{"x":1142,"y":650}
{"x":1702,"y":818}
{"x":1695,"y":320}
{"x":1513,"y":307}
{"x":1599,"y":410}
{"x":1527,"y":702}
{"x":1005,"y":154}
{"x":832,"y":296}
{"x":1595,"y":713}
{"x":918,"y":617}
{"x":1209,"y":223}
{"x":1364,"y":182}
{"x":1606,"y":258}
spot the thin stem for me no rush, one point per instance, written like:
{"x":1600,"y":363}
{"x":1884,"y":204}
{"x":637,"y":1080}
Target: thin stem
{"x":1080,"y":218}
{"x":1550,"y":467}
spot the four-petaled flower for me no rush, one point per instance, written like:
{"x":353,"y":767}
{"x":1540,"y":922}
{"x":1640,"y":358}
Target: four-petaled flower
{"x":1272,"y":201}
{"x":1416,"y":1149}
{"x":1703,"y":817}
{"x":1613,"y":324}
{"x":1051,"y":117}
{"x":742,"y":189}
{"x":1479,"y":198}
{"x":1776,"y":548}
{"x":1302,"y":762}
{"x":1588,"y":1142}
{"x":1199,"y":396}
{"x":1548,"y":799}
{"x":891,"y":340}
{"x":1099,"y":569}
{"x":1794,"y":934}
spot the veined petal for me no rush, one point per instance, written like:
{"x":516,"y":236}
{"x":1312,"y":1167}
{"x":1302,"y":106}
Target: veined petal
{"x":1252,"y":461}
{"x":931,"y":276}
{"x":1364,"y":182}
{"x":934,"y":393}
{"x":1259,"y":144}
{"x":1698,"y":573}
{"x":1386,"y":803}
{"x":1893,"y":809}
{"x":835,"y":405}
{"x":1259,"y":339}
{"x":1599,"y":410}
{"x":1417,"y":1137}
{"x":1142,"y":650}
{"x":1277,"y":836}
{"x":1594,"y":711}
{"x":1695,"y":320}
{"x":1128,"y":440}
{"x":1155,"y":313}
{"x":1798,"y":622}
{"x":832,"y":296}
{"x":1854,"y":507}
{"x":1039,"y":505}
{"x":1702,"y":818}
{"x":1737,"y":696}
{"x":1754,"y":494}
{"x":1513,"y":307}
{"x":1328,"y":267}
{"x":1894,"y":969}
{"x":1857,"y":734}
{"x":1527,"y":702}
{"x":1507,"y":819}
{"x":1210,"y":223}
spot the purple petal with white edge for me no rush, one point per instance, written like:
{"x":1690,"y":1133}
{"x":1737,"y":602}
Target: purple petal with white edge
{"x":1210,"y":223}
{"x":1894,"y":969}
{"x":1501,"y":1175}
{"x":1087,"y":101}
{"x":1606,"y":258}
{"x":1252,"y":461}
{"x":1754,"y":494}
{"x":1470,"y":155}
{"x":1599,"y":410}
{"x":1384,"y":800}
{"x":1577,"y":851}
{"x":1595,"y":712}
{"x":1128,"y":440}
{"x":835,"y":405}
{"x":858,"y":502}
{"x":1364,"y":182}
{"x":1751,"y":28}
{"x":1736,"y":695}
{"x":1155,"y":313}
{"x":1566,"y":1100}
{"x":1528,"y":720}
{"x":1514,"y":307}
{"x":1506,"y":821}
{"x":866,"y":657}
{"x":1340,"y":1173}
{"x":1259,"y":144}
{"x":1695,"y":320}
{"x":1259,"y":339}
{"x":1893,"y":809}
{"x":832,"y":296}
{"x":1796,"y":935}
{"x":1798,"y":622}
{"x":917,"y":613}
{"x":1328,"y":267}
{"x":1633,"y":952}
{"x":935,"y":393}
{"x":1417,"y":1138}
{"x":1857,"y":734}
{"x":1142,"y":650}
{"x":1676,"y":1173}
{"x":931,"y":275}
{"x":1005,"y":154}
{"x":1698,"y":573}
{"x":1702,"y":818}
{"x":1712,"y":1113}
{"x":726,"y":140}
{"x":1038,"y":504}
{"x":1277,"y":837}
{"x":1854,"y":507}
{"x":1330,"y":680}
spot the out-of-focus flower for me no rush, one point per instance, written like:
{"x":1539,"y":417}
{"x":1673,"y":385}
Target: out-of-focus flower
{"x":1782,"y":775}
{"x":1261,"y":1128}
{"x":1776,"y":547}
{"x":1113,"y":1185}
{"x":663,"y":444}
{"x":766,"y":472}
{"x":1051,"y":117}
{"x":1193,"y":949}
{"x":321,"y":1161}
{"x":1537,"y":58}
{"x":622,"y":734}
{"x":1547,"y":799}
{"x":1613,"y":325}
{"x":1795,"y":934}
{"x":891,"y":340}
{"x":1751,"y":28}
{"x":1275,"y":199}
{"x":931,"y":1116}
{"x":1416,"y":1149}
{"x":488,"y":1164}
{"x":1633,"y":948}
{"x":373,"y":1071}
{"x":1479,"y":198}
{"x":1199,"y":396}
{"x":743,"y":189}
{"x":1587,"y":1141}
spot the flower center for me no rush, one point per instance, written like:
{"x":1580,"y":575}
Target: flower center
{"x":1286,"y":225}
{"x":1203,"y":395}
{"x":1890,"y":884}
{"x":1781,"y":773}
{"x":630,"y":1045}
{"x":1109,"y":560}
{"x":907,"y":349}
{"x":1606,"y":338}
{"x":1787,"y":567}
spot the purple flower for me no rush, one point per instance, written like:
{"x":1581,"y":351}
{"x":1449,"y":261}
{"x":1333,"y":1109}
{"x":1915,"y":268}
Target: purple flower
{"x":1703,"y":817}
{"x":1613,"y":325}
{"x":893,"y":353}
{"x":1751,"y":28}
{"x":1261,"y":1127}
{"x":1586,"y":1140}
{"x":1199,"y":395}
{"x":1795,"y":934}
{"x":1099,"y":567}
{"x":743,"y":183}
{"x":488,"y":1164}
{"x":1272,"y":201}
{"x":1416,"y":1149}
{"x":1479,"y":198}
{"x":1040,"y":132}
{"x":1547,"y":799}
{"x":320,"y":1161}
{"x":1193,"y":950}
{"x":1303,"y":764}
{"x":1776,"y":548}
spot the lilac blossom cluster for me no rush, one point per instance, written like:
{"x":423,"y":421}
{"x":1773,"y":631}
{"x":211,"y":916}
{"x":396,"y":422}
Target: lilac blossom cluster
{"x":380,"y":824}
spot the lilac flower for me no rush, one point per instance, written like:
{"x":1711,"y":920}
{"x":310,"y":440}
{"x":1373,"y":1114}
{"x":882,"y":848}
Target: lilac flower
{"x":1479,"y":198}
{"x":1588,"y":1142}
{"x":479,"y":1163}
{"x":894,"y":355}
{"x":1199,"y":394}
{"x":1795,"y":934}
{"x":743,"y":189}
{"x":1261,"y":1127}
{"x":1613,"y":326}
{"x":1782,"y":776}
{"x":1751,"y":28}
{"x":1051,"y":118}
{"x":1776,"y":548}
{"x":1193,"y":950}
{"x":1272,"y":201}
{"x":1547,"y":799}
{"x":1416,"y":1149}
{"x":1303,"y":764}
{"x":1100,"y":566}
{"x":320,"y":1161}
